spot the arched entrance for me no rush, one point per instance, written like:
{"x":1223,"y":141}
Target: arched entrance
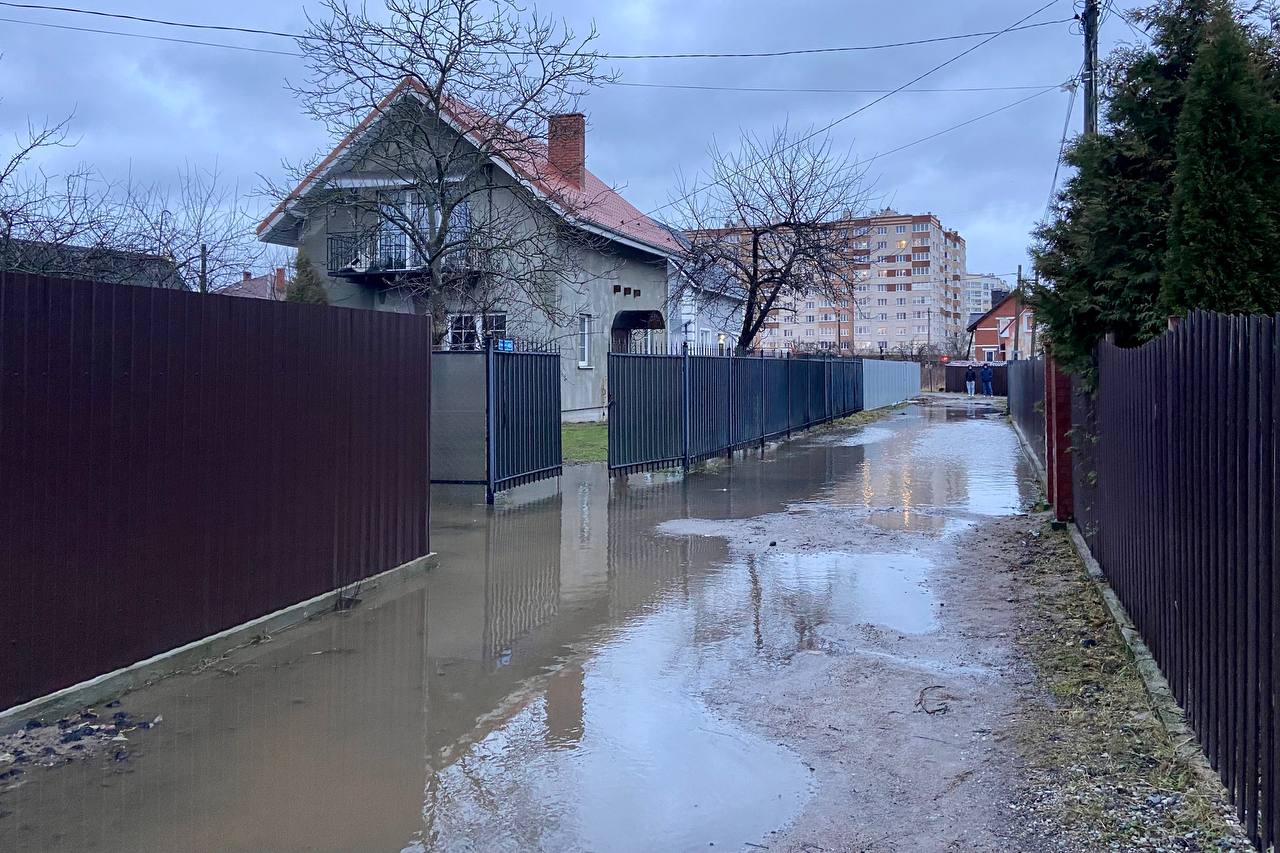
{"x":633,"y":331}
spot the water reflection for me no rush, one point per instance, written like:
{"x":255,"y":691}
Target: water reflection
{"x":541,"y":688}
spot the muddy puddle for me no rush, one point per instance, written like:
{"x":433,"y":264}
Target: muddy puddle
{"x":543,"y":688}
{"x":906,"y":520}
{"x":889,"y":590}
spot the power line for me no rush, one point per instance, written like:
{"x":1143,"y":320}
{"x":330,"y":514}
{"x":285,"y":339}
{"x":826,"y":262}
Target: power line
{"x":968,"y":122}
{"x":171,"y":39}
{"x":145,"y":20}
{"x":819,"y":91}
{"x":617,"y":56}
{"x":865,"y":106}
{"x":1062,"y":148}
{"x":620,"y":83}
{"x":814,"y":50}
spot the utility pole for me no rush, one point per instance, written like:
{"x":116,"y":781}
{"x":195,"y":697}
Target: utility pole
{"x":1090,"y":75}
{"x":1017,"y":311}
{"x":1031,"y":349}
{"x":204,"y":268}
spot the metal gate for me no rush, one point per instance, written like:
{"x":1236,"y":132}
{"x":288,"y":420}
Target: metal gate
{"x":495,"y":416}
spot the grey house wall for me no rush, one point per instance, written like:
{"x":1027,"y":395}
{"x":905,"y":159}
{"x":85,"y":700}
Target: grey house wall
{"x":702,"y":311}
{"x":583,"y":389}
{"x":615,"y":265}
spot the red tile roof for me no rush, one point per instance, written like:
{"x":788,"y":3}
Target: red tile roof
{"x":594,"y":203}
{"x":268,"y":286}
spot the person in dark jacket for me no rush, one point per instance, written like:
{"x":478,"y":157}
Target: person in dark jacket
{"x":987,"y":375}
{"x":970,"y":379}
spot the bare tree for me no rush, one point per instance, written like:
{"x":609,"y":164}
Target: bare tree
{"x":37,"y":208}
{"x":775,"y":215}
{"x":196,"y":222}
{"x":455,"y":189}
{"x":187,"y":234}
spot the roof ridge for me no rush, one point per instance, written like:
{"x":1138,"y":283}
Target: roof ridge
{"x":613,"y":213}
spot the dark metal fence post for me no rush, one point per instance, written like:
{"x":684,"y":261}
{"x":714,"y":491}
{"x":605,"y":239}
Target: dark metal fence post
{"x":830,"y":407}
{"x":490,"y":421}
{"x":789,"y":409}
{"x":684,"y":365}
{"x":728,"y":409}
{"x":764,"y":406}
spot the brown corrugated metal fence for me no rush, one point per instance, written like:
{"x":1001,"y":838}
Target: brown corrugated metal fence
{"x":174,"y":464}
{"x":1180,"y":477}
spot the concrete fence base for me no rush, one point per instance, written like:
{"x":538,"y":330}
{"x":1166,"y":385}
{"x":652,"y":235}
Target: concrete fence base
{"x":113,"y":684}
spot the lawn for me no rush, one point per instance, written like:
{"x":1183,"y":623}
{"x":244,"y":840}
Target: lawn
{"x":585,"y":442}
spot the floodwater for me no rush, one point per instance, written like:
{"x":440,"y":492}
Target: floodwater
{"x":545,"y":687}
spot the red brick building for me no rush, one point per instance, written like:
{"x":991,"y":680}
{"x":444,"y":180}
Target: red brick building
{"x":1005,"y":332}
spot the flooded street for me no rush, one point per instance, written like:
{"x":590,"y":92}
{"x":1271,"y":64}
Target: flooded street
{"x":807,"y":651}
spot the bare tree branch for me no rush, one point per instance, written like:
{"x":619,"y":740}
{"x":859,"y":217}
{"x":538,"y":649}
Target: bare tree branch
{"x":455,"y":172}
{"x":187,"y":234}
{"x":773,"y":215}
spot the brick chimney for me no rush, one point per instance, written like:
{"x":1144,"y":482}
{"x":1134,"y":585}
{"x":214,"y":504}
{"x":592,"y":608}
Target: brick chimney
{"x":281,"y":286}
{"x":567,"y":146}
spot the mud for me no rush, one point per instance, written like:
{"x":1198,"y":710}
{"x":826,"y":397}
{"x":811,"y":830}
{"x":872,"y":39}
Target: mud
{"x":809,"y":651}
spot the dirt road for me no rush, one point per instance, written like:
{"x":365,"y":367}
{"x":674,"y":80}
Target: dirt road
{"x":824,"y":649}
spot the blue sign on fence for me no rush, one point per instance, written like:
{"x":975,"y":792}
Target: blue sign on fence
{"x":506,"y":345}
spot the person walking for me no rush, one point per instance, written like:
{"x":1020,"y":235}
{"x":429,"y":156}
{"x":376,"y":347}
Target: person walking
{"x":987,"y":375}
{"x":970,"y":379}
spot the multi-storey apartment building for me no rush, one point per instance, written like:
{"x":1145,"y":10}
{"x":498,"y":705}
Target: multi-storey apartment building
{"x":977,"y":291}
{"x":909,"y":273}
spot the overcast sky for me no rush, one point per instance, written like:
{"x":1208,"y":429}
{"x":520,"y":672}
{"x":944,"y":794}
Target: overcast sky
{"x":150,"y":106}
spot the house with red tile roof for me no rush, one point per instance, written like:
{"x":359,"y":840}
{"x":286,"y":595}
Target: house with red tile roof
{"x":1005,"y":332}
{"x":591,"y":276}
{"x":272,"y":285}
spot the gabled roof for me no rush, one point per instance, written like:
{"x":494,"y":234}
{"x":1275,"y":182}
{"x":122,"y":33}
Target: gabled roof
{"x":593,"y":206}
{"x":973,"y":324}
{"x":268,"y":286}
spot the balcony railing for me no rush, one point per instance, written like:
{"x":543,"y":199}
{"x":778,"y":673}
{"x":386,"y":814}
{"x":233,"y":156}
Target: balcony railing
{"x":379,"y":253}
{"x":368,"y":253}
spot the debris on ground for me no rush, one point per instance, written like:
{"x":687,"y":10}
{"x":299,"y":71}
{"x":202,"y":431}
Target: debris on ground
{"x":1102,"y":770}
{"x":47,"y":744}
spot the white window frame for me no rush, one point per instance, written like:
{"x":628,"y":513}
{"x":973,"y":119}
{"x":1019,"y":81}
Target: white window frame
{"x":584,"y":340}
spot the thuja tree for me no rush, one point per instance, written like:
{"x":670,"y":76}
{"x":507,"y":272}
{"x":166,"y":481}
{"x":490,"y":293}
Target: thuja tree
{"x":306,"y":286}
{"x":1101,"y":256}
{"x":1226,"y":196}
